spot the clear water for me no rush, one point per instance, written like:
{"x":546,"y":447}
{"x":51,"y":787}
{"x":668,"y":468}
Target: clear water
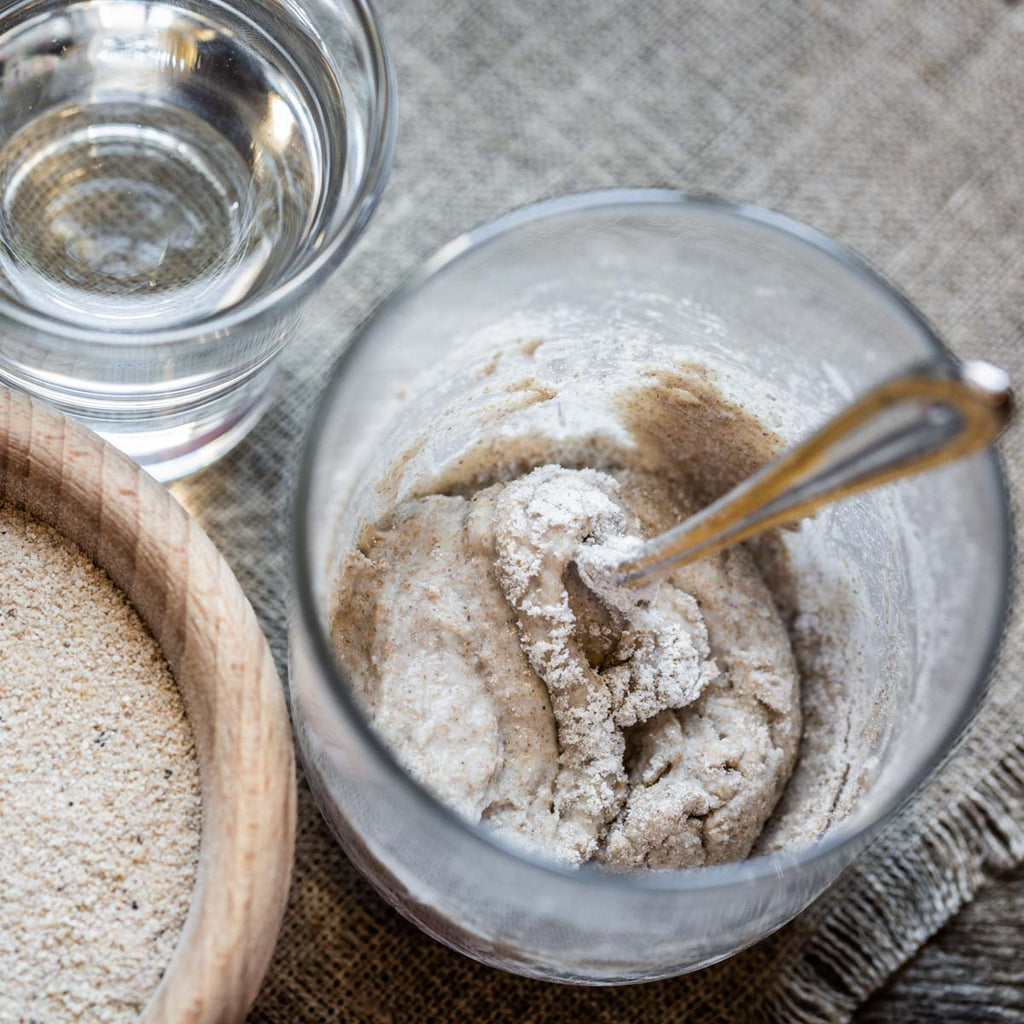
{"x":180,"y":174}
{"x":163,"y":162}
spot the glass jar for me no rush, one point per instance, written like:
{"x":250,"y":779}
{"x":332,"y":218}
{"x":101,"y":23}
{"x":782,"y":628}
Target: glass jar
{"x":793,"y":324}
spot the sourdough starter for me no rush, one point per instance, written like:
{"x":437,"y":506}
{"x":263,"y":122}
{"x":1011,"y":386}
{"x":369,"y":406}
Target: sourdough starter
{"x":653,"y":729}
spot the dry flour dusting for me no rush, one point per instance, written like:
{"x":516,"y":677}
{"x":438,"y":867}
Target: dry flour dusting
{"x":99,"y":790}
{"x":657,"y":651}
{"x":635,"y":730}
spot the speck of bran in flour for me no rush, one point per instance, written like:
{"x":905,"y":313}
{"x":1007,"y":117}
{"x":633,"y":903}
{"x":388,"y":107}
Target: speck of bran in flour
{"x":99,"y":789}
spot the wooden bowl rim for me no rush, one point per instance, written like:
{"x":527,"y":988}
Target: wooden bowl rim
{"x":68,"y":477}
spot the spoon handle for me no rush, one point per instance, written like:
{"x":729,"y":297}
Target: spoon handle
{"x":931,"y":414}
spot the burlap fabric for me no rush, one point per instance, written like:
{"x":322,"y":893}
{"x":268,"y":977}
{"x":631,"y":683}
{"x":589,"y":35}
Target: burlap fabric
{"x":894,"y":126}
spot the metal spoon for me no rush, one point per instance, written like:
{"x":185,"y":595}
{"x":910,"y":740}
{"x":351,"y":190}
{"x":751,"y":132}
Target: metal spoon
{"x":927,"y":416}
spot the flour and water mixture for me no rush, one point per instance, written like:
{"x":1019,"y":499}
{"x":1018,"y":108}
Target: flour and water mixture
{"x":586,"y":723}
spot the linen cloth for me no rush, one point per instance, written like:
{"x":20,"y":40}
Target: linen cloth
{"x":894,"y":126}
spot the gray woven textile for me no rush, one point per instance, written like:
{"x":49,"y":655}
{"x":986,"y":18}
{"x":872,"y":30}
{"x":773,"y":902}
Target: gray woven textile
{"x":892,"y":125}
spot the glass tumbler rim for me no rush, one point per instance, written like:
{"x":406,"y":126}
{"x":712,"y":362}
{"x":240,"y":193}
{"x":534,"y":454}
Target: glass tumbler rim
{"x":779,"y":864}
{"x":381,"y":135}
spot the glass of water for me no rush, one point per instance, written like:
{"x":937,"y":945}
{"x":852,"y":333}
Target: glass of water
{"x":176,"y":177}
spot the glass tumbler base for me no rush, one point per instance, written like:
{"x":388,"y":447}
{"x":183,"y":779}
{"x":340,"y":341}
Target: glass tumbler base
{"x":170,"y":441}
{"x":189,"y":442}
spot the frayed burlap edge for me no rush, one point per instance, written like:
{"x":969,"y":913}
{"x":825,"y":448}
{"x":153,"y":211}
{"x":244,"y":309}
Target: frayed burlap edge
{"x":860,"y":940}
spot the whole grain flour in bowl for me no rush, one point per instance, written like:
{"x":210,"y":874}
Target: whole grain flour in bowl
{"x":99,"y":789}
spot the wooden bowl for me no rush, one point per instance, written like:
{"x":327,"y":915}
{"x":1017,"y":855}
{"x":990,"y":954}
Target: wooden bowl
{"x":168,"y":568}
